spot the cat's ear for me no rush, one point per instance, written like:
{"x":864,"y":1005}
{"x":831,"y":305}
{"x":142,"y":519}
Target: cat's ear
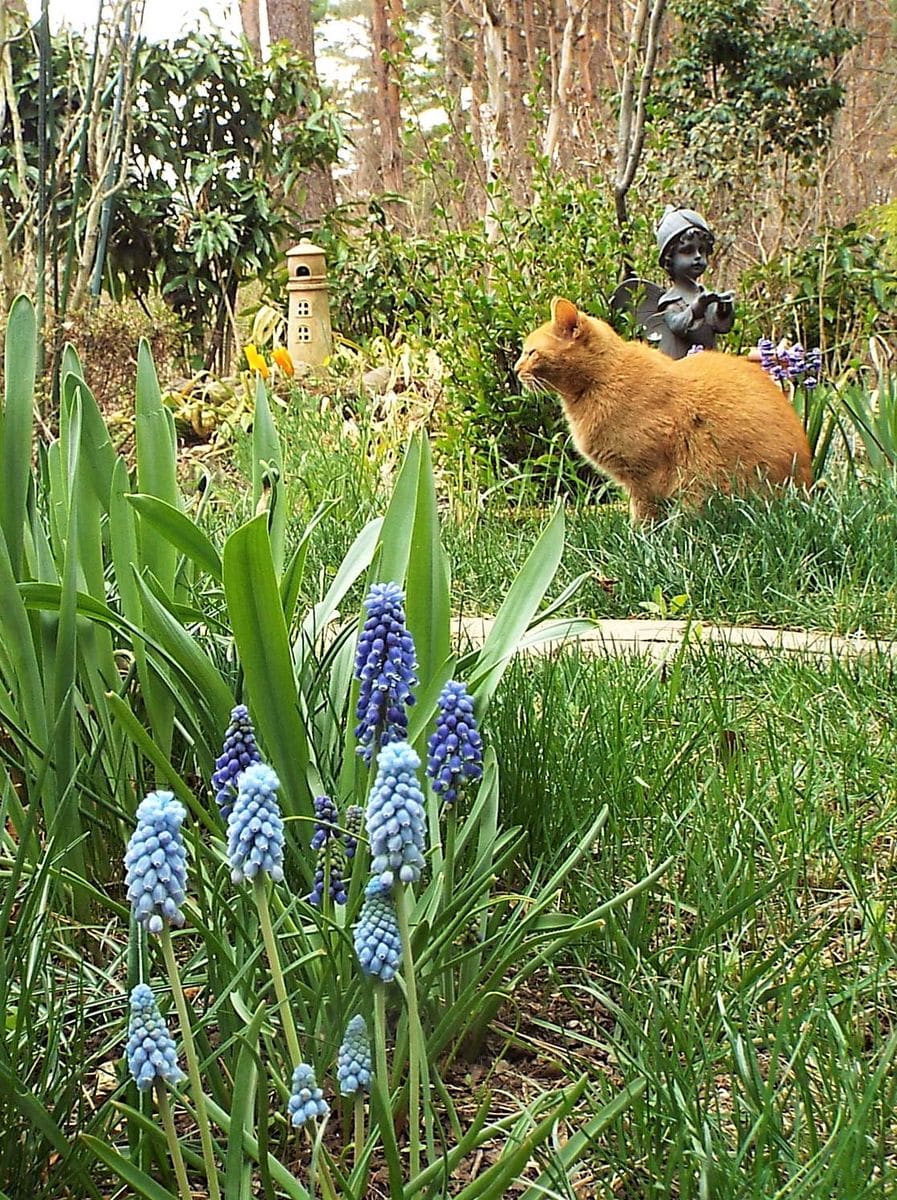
{"x":565,"y":316}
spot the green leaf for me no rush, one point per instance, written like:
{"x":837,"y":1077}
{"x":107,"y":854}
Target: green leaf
{"x":571,"y":1151}
{"x":18,"y":1096}
{"x":182,"y":533}
{"x":517,"y":611}
{"x":198,"y":671}
{"x":156,"y":464}
{"x":238,"y":1166}
{"x":427,"y":605}
{"x":139,"y":1182}
{"x":494,"y":1182}
{"x":20,"y":365}
{"x":267,"y":472}
{"x":260,"y":632}
{"x":279,"y":1173}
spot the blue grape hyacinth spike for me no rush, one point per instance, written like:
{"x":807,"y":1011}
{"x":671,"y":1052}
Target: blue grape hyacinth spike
{"x":156,"y":863}
{"x":150,"y":1052}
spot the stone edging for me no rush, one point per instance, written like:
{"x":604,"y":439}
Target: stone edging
{"x":662,"y":638}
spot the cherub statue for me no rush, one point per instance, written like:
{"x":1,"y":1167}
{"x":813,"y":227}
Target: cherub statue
{"x":686,"y":314}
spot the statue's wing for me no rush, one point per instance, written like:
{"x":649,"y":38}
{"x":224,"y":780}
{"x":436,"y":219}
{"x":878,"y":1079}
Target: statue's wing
{"x":639,"y":298}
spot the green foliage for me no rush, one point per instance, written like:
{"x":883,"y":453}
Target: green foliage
{"x":104,"y":576}
{"x":219,"y":146}
{"x":835,"y":292}
{"x":751,"y":998}
{"x":476,"y":299}
{"x":235,"y":135}
{"x":744,"y":73}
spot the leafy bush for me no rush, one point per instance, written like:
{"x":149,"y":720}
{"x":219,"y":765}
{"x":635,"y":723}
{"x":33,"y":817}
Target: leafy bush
{"x":476,"y":300}
{"x":835,"y":292}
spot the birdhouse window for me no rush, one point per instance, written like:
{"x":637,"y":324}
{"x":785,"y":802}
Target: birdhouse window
{"x":303,"y":308}
{"x":303,"y":271}
{"x":303,"y":333}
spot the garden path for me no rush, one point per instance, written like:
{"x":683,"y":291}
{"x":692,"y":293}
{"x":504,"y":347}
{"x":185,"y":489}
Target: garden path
{"x":663,"y":638}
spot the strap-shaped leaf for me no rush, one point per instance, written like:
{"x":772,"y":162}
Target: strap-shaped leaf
{"x":182,"y":533}
{"x":20,"y":365}
{"x":260,"y":632}
{"x":138,"y":1181}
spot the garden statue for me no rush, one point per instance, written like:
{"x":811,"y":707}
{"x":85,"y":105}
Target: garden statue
{"x":686,"y":315}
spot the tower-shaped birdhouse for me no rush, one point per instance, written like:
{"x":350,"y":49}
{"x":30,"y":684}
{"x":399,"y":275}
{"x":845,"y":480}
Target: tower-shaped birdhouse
{"x":309,"y":336}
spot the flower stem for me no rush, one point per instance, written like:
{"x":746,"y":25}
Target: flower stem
{"x":174,"y":1146}
{"x":358,"y":1110}
{"x":199,"y":1099}
{"x":381,"y":1083}
{"x":417,"y":1052}
{"x":448,"y":887}
{"x":260,"y":895}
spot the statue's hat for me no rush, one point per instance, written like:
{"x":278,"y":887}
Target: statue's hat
{"x":675,"y":221}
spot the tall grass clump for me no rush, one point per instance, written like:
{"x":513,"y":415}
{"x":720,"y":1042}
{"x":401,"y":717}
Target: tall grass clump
{"x":755,"y":990}
{"x":223,"y":788}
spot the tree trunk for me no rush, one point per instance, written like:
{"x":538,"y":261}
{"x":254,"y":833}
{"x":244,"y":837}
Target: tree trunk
{"x":519,"y":128}
{"x":387,"y":20}
{"x":292,"y":21}
{"x":250,"y":19}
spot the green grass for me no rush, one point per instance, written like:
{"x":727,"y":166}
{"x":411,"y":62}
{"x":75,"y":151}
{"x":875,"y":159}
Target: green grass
{"x":828,"y":562}
{"x":756,"y":989}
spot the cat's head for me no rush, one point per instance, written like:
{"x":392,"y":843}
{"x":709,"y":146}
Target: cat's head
{"x":559,"y":352}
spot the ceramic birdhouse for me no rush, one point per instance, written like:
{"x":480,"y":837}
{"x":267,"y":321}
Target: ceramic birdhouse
{"x":309,"y":338}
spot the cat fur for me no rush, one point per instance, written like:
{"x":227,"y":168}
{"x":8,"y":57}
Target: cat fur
{"x":665,"y":428}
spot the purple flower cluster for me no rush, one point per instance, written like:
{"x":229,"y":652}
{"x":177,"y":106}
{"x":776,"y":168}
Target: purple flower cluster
{"x":150,"y":1051}
{"x":385,"y":663}
{"x":237,"y":753}
{"x":456,"y":748}
{"x":354,"y":821}
{"x":396,"y":821}
{"x":156,"y":862}
{"x":330,"y":854}
{"x":792,"y":364}
{"x":378,"y":944}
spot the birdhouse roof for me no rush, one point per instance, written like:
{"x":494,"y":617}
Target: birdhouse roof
{"x":304,"y":248}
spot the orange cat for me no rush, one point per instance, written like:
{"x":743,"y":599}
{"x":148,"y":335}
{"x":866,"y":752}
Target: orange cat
{"x":663,"y":427}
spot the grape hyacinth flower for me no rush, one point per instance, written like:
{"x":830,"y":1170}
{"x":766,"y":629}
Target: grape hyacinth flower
{"x":354,"y":1069}
{"x":254,"y":827}
{"x":792,"y":364}
{"x":238,"y":752}
{"x":455,"y":750}
{"x":330,"y":854}
{"x":150,"y":1051}
{"x":306,"y":1099}
{"x":156,"y":862}
{"x":396,"y":822}
{"x":378,"y":944}
{"x":385,"y":663}
{"x":353,"y":822}
{"x":770,"y":361}
{"x":326,"y":821}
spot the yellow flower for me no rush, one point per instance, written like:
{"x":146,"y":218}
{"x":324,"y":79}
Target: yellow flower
{"x":281,"y":356}
{"x":255,"y":360}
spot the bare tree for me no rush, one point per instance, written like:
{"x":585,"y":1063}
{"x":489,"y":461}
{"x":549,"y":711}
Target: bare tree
{"x":575,"y":24}
{"x":635,"y":84}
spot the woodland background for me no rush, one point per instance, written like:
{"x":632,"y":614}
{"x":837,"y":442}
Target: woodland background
{"x":460,"y":163}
